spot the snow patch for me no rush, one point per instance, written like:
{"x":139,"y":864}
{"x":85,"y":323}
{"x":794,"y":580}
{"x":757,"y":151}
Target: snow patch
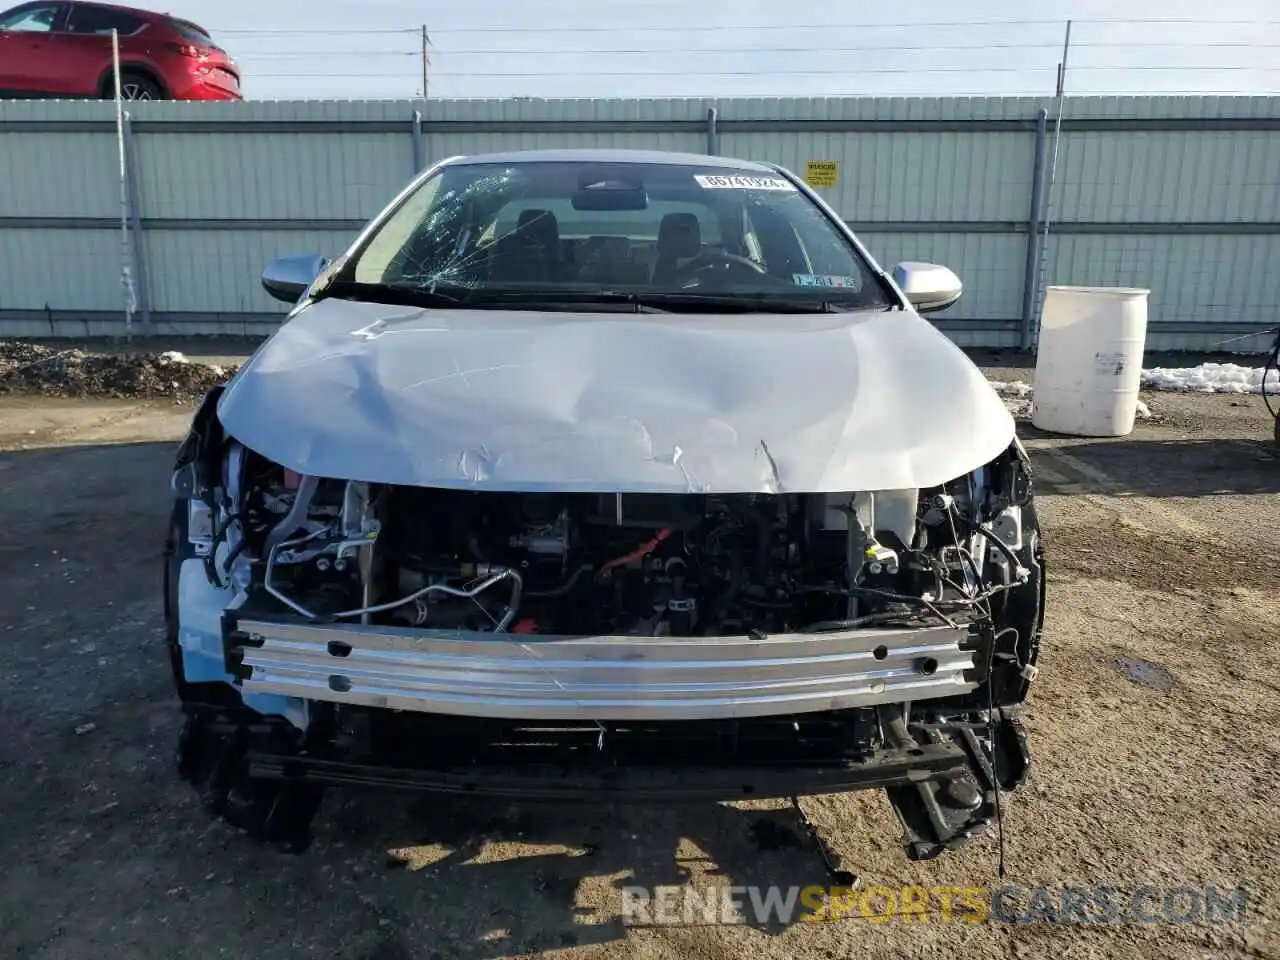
{"x":1019,"y":397}
{"x":1016,"y":396}
{"x":1012,"y":388}
{"x":1211,"y":378}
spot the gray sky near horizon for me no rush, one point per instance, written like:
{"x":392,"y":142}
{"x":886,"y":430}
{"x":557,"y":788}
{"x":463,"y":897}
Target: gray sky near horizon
{"x":611,"y":48}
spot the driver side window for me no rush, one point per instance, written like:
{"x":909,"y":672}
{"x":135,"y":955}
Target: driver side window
{"x":42,"y":18}
{"x":99,"y":21}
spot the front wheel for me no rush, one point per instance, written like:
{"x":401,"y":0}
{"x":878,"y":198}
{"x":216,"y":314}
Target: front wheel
{"x":133,"y":86}
{"x":213,"y":756}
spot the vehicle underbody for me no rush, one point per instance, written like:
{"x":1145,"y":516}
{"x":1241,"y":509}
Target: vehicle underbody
{"x":600,"y":646}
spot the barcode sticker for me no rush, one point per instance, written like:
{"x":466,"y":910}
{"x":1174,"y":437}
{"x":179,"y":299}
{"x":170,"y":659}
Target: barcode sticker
{"x":742,"y":182}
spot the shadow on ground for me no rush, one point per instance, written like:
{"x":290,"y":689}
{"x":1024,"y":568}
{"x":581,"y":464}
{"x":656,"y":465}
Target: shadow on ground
{"x":1161,"y":468}
{"x":543,"y":876}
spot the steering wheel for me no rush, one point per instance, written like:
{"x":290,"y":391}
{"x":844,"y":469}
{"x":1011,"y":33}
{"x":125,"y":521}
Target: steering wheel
{"x":718,"y":264}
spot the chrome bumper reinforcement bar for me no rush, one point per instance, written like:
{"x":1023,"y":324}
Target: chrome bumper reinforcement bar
{"x":517,"y":677}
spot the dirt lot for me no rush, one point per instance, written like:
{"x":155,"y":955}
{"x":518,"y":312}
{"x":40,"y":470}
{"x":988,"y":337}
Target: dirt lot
{"x":1164,"y":548}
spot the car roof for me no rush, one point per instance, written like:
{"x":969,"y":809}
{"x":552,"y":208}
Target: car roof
{"x":154,"y":16}
{"x":663,"y":157}
{"x":137,"y":11}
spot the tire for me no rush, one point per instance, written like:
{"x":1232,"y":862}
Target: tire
{"x":133,"y":86}
{"x":176,"y":549}
{"x":215,"y":738}
{"x":276,"y":813}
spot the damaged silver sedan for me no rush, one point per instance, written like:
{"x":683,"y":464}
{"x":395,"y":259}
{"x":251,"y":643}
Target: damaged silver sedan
{"x":605,"y":475}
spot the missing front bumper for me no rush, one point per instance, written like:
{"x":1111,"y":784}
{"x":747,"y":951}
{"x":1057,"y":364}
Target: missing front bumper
{"x":942,"y":785}
{"x":626,"y":784}
{"x":487,"y":675}
{"x":636,"y":719}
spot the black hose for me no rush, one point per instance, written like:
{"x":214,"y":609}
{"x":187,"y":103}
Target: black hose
{"x":994,"y":539}
{"x":235,"y":551}
{"x":1273,"y":363}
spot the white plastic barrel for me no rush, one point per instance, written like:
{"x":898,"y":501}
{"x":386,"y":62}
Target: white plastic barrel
{"x":1089,"y":360}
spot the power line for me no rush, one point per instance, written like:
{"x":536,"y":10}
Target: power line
{"x":650,"y":28}
{"x":880,"y":48}
{"x":853,"y":72}
{"x":915,"y":25}
{"x":284,"y":32}
{"x":722,"y":28}
{"x":1163,"y":50}
{"x":311,"y":54}
{"x":653,"y":51}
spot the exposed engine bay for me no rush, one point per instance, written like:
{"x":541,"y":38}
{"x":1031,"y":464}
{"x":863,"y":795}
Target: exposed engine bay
{"x":824,"y":641}
{"x":626,"y":564}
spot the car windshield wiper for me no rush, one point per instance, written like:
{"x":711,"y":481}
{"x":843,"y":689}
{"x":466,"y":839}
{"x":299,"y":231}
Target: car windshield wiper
{"x":544,"y":298}
{"x":478,"y":298}
{"x":676,"y":301}
{"x":390,"y":294}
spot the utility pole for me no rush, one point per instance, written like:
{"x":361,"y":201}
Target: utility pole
{"x":1062,"y":67}
{"x":426,"y":60}
{"x":1060,"y":93}
{"x":126,"y":260}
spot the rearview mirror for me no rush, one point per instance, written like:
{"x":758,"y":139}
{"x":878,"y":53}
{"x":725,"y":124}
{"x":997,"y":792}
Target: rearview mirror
{"x":929,"y":287}
{"x":287,"y":278}
{"x":610,"y":197}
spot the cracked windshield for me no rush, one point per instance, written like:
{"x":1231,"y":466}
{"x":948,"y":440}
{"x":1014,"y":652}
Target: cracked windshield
{"x":662,"y":234}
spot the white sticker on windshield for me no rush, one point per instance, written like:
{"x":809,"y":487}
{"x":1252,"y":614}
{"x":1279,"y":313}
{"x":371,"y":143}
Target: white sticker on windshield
{"x":742,"y":182}
{"x":823,"y":280}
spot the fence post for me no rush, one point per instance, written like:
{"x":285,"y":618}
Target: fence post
{"x":419,"y":144}
{"x":713,"y":134}
{"x":1030,"y":272}
{"x":137,"y":244}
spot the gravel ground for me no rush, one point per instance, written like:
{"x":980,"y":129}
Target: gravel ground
{"x":69,"y":371}
{"x":1152,"y":723}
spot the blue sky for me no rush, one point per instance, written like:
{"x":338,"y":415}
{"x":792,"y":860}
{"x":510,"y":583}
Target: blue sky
{"x":552,"y":48}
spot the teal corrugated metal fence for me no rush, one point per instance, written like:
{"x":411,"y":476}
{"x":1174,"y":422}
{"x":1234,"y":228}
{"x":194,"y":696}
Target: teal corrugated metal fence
{"x":1180,"y":194}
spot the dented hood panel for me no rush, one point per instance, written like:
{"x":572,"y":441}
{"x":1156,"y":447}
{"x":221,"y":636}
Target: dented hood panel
{"x":577,"y":402}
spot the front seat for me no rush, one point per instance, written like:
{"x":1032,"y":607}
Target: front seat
{"x":530,"y":252}
{"x":540,"y":231}
{"x":679,"y":238}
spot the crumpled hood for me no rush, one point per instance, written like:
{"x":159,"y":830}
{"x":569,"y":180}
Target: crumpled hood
{"x":582,"y":402}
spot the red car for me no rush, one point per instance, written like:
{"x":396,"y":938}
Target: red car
{"x":64,"y":50}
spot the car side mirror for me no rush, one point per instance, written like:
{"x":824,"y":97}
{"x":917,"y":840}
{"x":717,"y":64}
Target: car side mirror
{"x":287,"y":278}
{"x":929,"y":287}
